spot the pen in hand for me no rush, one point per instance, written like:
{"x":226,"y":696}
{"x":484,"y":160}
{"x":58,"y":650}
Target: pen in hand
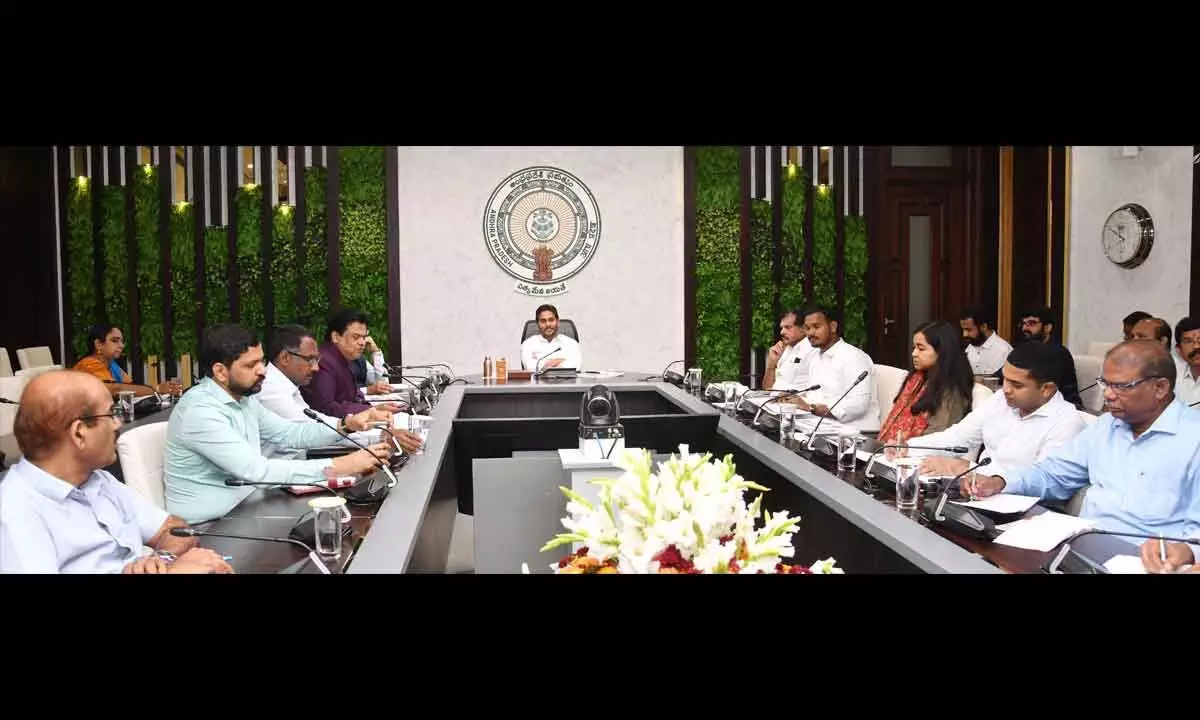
{"x":1162,"y":549}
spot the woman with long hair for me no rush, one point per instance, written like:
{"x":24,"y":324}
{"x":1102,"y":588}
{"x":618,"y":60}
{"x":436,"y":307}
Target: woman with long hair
{"x":937,"y":392}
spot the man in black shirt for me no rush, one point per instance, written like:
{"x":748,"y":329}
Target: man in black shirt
{"x":1038,"y":325}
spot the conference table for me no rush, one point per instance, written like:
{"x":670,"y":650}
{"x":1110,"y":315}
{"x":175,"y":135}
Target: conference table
{"x":843,"y":513}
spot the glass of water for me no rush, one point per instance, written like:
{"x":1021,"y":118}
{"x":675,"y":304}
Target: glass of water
{"x":847,"y":450}
{"x":329,"y":514}
{"x":419,"y":426}
{"x":908,"y":482}
{"x":787,"y":422}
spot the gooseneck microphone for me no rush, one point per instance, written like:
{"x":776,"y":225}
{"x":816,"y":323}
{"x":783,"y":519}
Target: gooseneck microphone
{"x":958,"y":519}
{"x":1089,"y":387}
{"x":312,"y":554}
{"x":1077,"y":562}
{"x":829,"y":411}
{"x":537,"y":367}
{"x":881,"y":448}
{"x":328,"y":485}
{"x":382,"y":466}
{"x":782,"y":394}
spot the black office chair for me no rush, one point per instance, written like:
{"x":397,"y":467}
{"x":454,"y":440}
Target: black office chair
{"x":566,"y":327}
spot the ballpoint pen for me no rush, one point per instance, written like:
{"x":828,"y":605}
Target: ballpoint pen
{"x":1162,"y":549}
{"x":973,"y":476}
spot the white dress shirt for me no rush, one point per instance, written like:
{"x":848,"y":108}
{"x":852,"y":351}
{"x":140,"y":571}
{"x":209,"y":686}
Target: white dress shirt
{"x":376,"y":369}
{"x":49,"y":526}
{"x":989,"y":357}
{"x":1187,"y":388}
{"x":537,"y":347}
{"x":282,"y":397}
{"x":792,"y":373}
{"x":1011,"y":441}
{"x":835,"y":370}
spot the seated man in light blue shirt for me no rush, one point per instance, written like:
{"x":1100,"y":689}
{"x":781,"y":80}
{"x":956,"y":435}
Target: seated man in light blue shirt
{"x":218,"y":430}
{"x":1140,"y":462}
{"x":60,"y":513}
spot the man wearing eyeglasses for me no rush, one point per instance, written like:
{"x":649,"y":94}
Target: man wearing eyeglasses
{"x":1038,"y":325}
{"x":60,"y":512}
{"x":294,"y":362}
{"x":1140,"y":461}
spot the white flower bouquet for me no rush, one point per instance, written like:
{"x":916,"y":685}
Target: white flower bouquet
{"x":690,"y":517}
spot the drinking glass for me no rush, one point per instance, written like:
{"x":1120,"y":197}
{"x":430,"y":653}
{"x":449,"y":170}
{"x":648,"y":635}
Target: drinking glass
{"x":125,"y":397}
{"x":329,"y":514}
{"x":847,"y":449}
{"x":908,"y":482}
{"x":787,"y":422}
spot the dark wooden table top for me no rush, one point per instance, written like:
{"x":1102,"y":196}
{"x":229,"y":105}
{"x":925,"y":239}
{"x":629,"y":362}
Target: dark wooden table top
{"x":1010,"y":559}
{"x":273,"y":512}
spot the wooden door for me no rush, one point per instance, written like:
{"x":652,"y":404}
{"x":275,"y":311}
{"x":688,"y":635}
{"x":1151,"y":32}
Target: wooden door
{"x":922,"y":265}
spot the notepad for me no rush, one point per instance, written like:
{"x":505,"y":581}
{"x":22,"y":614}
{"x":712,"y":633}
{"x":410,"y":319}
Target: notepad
{"x":1001,"y":503}
{"x":1125,"y":565}
{"x":1043,"y":532}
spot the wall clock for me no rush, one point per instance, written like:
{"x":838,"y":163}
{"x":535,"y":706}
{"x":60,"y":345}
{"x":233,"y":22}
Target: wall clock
{"x":1128,"y":236}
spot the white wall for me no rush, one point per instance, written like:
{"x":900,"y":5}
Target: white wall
{"x":457,"y":304}
{"x":1160,"y":179}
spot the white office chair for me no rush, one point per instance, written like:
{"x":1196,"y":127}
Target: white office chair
{"x":32,"y":357}
{"x":11,"y":388}
{"x":30,"y":373}
{"x":1087,"y":369}
{"x":888,"y":381}
{"x":1098,"y":348}
{"x":5,"y":363}
{"x":141,"y":450}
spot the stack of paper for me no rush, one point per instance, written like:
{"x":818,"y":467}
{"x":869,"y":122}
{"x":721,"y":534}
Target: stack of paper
{"x":1001,"y":503}
{"x":1125,"y":565}
{"x":1042,"y":532}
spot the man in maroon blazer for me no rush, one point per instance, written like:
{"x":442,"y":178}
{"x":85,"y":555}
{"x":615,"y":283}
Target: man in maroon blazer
{"x":333,"y":391}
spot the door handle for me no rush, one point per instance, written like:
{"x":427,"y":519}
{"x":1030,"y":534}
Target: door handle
{"x":887,"y":322}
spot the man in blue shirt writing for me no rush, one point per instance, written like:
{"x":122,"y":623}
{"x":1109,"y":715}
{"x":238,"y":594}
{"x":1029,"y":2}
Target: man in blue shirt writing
{"x":1140,"y":461}
{"x":218,"y":430}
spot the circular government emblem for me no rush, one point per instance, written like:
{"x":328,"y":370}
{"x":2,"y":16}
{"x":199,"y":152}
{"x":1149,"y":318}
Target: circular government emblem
{"x":542,"y":226}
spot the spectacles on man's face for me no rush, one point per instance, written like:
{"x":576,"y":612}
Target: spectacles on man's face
{"x":89,"y":418}
{"x":310,"y":359}
{"x":1124,"y":387}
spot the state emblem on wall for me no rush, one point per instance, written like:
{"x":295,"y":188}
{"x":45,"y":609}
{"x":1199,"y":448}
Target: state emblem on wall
{"x":542,"y":226}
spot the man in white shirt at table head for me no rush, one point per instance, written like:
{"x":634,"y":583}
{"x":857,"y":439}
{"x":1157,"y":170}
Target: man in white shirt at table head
{"x":787,"y":360}
{"x":1019,"y":425}
{"x":986,"y":351}
{"x":557,"y":349}
{"x":836,"y":366}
